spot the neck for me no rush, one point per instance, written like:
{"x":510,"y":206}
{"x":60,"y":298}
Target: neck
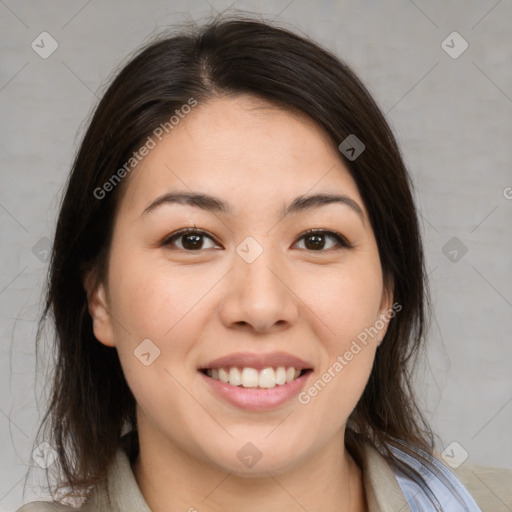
{"x":171,"y":479}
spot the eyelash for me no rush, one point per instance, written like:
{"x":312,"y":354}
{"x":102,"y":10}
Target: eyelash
{"x":344,"y":244}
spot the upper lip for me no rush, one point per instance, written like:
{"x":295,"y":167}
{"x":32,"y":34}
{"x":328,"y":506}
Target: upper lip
{"x":258,"y":361}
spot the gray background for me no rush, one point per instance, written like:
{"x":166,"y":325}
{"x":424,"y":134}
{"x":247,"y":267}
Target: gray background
{"x":452,"y":117}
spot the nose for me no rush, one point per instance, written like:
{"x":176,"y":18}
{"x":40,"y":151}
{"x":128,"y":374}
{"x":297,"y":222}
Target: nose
{"x":260,"y":295}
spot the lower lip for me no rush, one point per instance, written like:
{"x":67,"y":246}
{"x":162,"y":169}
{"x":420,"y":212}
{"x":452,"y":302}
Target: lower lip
{"x":257,"y":399}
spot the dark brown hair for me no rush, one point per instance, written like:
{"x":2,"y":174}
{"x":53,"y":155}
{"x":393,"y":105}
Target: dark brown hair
{"x":90,"y":404}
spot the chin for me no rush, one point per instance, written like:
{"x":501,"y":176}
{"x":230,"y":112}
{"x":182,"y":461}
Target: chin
{"x":257,"y":458}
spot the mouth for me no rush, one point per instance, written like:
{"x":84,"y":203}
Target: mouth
{"x":256,"y":382}
{"x":256,"y":391}
{"x":247,"y":377}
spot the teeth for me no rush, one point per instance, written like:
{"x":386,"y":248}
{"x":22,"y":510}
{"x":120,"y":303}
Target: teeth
{"x":250,"y":377}
{"x":223,"y":375}
{"x":267,"y":378}
{"x":235,"y":378}
{"x":281,"y":375}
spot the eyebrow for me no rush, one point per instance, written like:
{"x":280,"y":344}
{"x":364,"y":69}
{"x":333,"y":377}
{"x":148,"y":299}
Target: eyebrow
{"x":216,"y":205}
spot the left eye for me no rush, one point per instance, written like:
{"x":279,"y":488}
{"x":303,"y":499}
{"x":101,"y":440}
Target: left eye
{"x":191,"y":239}
{"x":315,"y":240}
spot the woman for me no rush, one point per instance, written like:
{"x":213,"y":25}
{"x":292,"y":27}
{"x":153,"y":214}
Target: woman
{"x":238,"y":290}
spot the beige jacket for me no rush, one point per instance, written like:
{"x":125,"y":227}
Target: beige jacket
{"x":490,"y":487}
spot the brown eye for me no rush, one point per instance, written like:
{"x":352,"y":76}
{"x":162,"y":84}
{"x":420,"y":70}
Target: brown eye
{"x":319,"y":239}
{"x":189,"y":240}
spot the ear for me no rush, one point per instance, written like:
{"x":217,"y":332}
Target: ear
{"x":386,"y":311}
{"x":99,"y":310}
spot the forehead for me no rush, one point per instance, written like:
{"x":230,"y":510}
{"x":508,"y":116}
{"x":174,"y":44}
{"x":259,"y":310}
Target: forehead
{"x":241,"y":147}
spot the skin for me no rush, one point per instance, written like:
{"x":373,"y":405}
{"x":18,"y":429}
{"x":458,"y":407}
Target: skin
{"x":199,"y":305}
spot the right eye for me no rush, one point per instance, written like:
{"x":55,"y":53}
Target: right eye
{"x":188,"y":239}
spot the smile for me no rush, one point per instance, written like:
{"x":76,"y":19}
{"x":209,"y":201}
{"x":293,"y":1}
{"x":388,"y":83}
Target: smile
{"x":247,"y":377}
{"x":256,"y":397}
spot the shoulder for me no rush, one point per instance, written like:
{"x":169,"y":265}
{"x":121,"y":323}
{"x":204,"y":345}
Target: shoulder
{"x":117,"y":493}
{"x":96,"y":502}
{"x":45,"y":506}
{"x":490,"y":487}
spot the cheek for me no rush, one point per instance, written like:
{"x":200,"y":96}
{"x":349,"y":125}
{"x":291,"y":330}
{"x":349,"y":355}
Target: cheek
{"x":346,"y":306}
{"x":168,"y":306}
{"x":152,"y":303}
{"x":344,"y":300}
{"x":345,"y":315}
{"x":154,"y":298}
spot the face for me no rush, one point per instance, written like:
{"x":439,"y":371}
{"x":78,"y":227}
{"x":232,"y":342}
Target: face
{"x":252,"y":282}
